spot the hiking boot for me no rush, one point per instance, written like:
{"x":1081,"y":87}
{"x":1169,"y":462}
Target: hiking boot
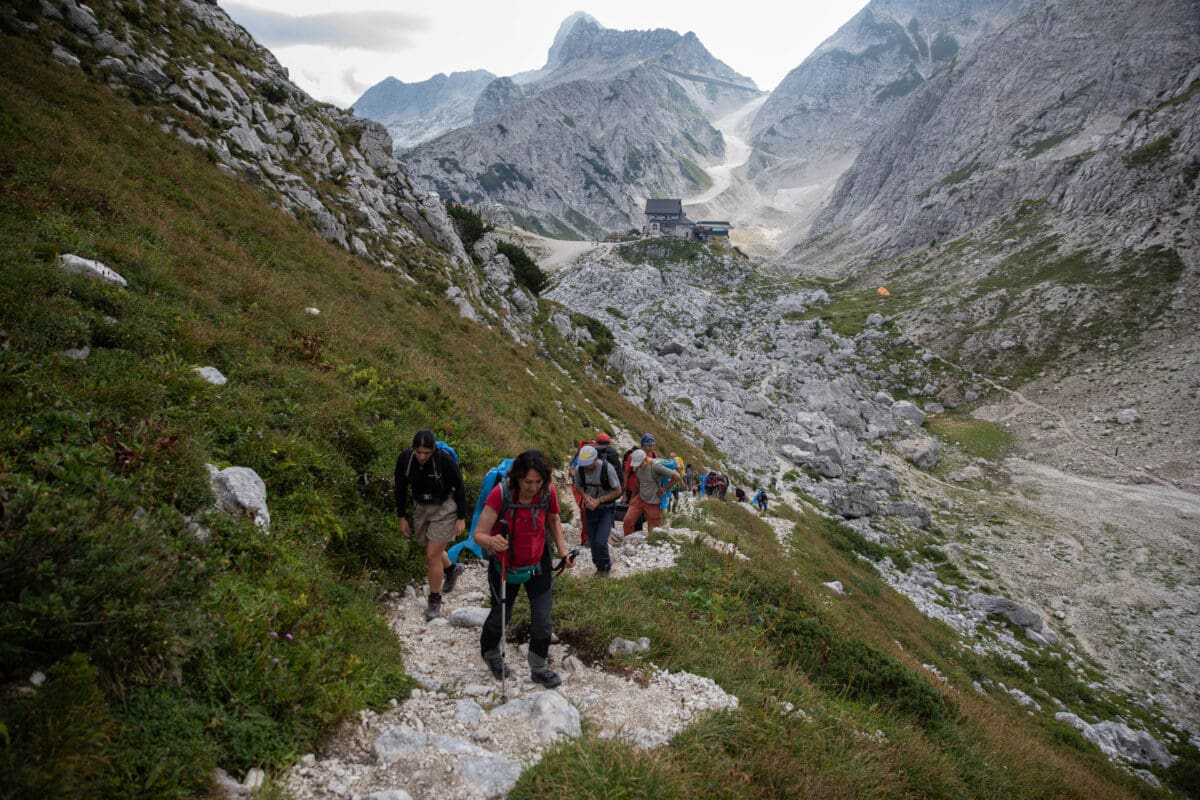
{"x":603,"y":573}
{"x":498,"y":668}
{"x":546,"y":677}
{"x":451,"y":578}
{"x":434,"y":609}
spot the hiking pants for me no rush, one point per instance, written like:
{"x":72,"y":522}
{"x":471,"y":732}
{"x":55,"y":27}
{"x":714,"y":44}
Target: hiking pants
{"x":637,"y":507}
{"x":599,"y":525}
{"x":540,"y":601}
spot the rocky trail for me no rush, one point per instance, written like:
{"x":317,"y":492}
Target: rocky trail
{"x":456,"y":739}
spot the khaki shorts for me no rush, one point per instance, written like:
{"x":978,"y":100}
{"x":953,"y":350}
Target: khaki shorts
{"x":435,"y":523}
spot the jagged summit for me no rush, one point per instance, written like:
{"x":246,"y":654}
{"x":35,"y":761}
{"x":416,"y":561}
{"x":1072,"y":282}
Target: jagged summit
{"x":416,"y":112}
{"x":568,"y":26}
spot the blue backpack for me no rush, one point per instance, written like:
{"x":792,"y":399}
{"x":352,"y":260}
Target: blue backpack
{"x":666,"y":498}
{"x":493,"y":476}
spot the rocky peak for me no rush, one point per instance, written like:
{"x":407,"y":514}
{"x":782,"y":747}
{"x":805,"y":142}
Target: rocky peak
{"x":417,"y":112}
{"x":811,"y":127}
{"x":554,"y":56}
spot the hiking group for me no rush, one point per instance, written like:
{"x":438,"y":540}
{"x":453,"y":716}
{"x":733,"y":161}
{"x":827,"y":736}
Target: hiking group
{"x":517,"y":520}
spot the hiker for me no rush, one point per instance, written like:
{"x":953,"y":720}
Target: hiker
{"x":670,"y":501}
{"x":760,"y":500}
{"x":577,"y":494}
{"x":741,"y":494}
{"x":649,"y":493}
{"x":527,"y":501}
{"x":646,"y":444}
{"x":718,"y":484}
{"x":600,"y":485}
{"x":439,"y":510}
{"x":604,"y":449}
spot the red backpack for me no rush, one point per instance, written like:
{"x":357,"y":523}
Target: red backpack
{"x":523,"y":559}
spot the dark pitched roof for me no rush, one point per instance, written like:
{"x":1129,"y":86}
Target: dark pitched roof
{"x":674,"y":206}
{"x":725,"y":223}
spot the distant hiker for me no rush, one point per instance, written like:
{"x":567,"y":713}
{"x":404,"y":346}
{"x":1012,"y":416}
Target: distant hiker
{"x":670,"y":500}
{"x":439,"y":509}
{"x":760,"y":500}
{"x":600,"y":485}
{"x":525,"y":505}
{"x":741,"y":494}
{"x":718,"y":484}
{"x":649,"y":493}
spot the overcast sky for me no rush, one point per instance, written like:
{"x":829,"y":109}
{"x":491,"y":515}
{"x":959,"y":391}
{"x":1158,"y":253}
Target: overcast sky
{"x":337,"y":50}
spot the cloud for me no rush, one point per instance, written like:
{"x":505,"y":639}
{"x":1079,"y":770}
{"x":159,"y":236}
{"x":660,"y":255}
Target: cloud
{"x":352,"y":83}
{"x":382,"y":31}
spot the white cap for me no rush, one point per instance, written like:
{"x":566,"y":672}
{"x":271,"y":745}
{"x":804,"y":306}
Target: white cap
{"x":638,"y":458}
{"x":587,"y":456}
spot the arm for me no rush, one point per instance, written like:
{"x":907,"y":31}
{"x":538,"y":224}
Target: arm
{"x":483,"y":531}
{"x":460,"y":497}
{"x":401,"y":489}
{"x":617,"y":490}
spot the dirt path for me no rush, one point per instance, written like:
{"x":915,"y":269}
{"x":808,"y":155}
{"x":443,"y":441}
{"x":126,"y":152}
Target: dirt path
{"x":454,"y":739}
{"x":1022,"y":405}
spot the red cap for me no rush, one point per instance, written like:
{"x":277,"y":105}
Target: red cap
{"x":603,"y":437}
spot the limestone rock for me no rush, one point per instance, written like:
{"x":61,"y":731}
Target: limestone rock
{"x":240,"y":492}
{"x":93,"y":269}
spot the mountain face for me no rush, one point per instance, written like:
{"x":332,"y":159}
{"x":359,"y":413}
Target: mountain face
{"x":1057,"y":108}
{"x":417,"y":112}
{"x":813,"y":124}
{"x":568,"y":161}
{"x":571,"y":150}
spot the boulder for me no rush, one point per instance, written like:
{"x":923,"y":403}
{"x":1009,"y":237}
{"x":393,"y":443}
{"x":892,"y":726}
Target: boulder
{"x":914,"y":514}
{"x":78,"y":265}
{"x":1010,"y":610}
{"x":1118,"y":740}
{"x":908,"y":412}
{"x":853,"y":500}
{"x":922,"y":452}
{"x":212,"y":375}
{"x":240,"y":492}
{"x":551,"y":714}
{"x":624,"y":647}
{"x":1127,"y":416}
{"x":488,"y":775}
{"x":468,"y":617}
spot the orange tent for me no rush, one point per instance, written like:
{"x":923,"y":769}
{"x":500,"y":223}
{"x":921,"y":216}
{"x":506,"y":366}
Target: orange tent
{"x":884,"y":291}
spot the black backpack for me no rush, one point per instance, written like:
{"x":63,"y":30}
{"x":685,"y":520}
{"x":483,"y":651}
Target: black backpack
{"x":608,"y":454}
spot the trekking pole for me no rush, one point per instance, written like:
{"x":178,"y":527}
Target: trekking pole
{"x":562,"y":565}
{"x":503,"y":611}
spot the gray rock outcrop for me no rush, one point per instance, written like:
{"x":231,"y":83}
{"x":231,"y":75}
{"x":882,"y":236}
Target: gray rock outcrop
{"x":240,"y":492}
{"x":330,"y":168}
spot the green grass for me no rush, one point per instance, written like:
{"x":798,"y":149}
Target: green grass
{"x":977,"y":438}
{"x":766,"y":632}
{"x":1152,"y":152}
{"x":158,"y":645}
{"x":169,"y":653}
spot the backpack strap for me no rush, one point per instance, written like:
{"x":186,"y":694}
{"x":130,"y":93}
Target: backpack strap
{"x":437,"y":476}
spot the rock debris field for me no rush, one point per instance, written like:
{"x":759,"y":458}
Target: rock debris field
{"x":454,"y":739}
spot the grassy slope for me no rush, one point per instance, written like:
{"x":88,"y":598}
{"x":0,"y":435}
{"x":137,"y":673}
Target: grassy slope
{"x":852,"y":665}
{"x":159,"y":649}
{"x":101,"y":460}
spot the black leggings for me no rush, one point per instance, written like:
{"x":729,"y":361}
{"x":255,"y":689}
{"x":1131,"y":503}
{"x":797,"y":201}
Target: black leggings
{"x":538,"y":588}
